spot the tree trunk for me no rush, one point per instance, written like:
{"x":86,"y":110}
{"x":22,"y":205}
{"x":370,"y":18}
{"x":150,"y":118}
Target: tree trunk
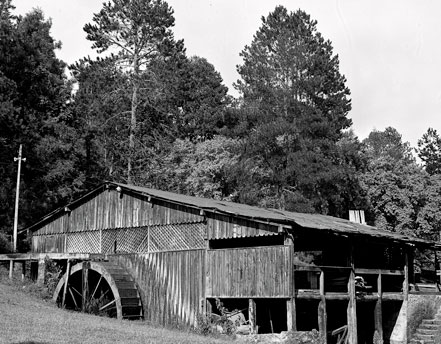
{"x":133,"y":118}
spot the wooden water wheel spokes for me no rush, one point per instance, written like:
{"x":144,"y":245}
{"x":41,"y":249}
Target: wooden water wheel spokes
{"x":100,"y":288}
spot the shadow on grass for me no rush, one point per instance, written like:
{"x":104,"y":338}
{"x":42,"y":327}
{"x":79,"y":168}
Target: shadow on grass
{"x":30,"y":342}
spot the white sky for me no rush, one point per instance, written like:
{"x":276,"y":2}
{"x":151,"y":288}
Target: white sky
{"x":389,"y":51}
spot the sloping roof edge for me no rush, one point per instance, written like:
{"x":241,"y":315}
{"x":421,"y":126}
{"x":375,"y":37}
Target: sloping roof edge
{"x":310,"y":221}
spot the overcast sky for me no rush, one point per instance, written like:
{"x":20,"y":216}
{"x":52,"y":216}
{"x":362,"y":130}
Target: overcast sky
{"x":389,"y":51}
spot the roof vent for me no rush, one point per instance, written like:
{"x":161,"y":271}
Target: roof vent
{"x":357,"y":216}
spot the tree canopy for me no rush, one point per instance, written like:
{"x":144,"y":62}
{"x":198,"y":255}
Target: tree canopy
{"x":298,"y":104}
{"x":140,"y":32}
{"x":34,"y":92}
{"x":146,"y":113}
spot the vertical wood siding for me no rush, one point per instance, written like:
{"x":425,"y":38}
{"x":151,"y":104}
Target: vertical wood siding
{"x":249,"y":272}
{"x":171,"y":284}
{"x":110,"y":209}
{"x":223,"y":227}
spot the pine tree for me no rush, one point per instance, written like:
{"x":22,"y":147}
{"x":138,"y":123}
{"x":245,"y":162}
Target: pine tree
{"x":140,"y":32}
{"x":297,"y":103}
{"x":429,"y":151}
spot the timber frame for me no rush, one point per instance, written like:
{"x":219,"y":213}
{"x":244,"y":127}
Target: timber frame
{"x":290,"y":271}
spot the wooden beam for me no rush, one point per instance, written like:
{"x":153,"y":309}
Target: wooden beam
{"x":378,"y":312}
{"x":252,"y":315}
{"x":52,"y":256}
{"x":378,"y":271}
{"x":391,"y":296}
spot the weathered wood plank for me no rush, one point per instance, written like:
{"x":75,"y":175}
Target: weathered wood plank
{"x":252,"y":315}
{"x":256,"y":272}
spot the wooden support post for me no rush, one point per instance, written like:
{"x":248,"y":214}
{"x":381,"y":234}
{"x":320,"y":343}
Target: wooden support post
{"x":378,"y":313}
{"x":11,"y":269}
{"x":352,"y":305}
{"x":23,"y":270}
{"x":66,"y":282}
{"x":291,"y":321}
{"x":252,"y":315}
{"x":41,"y":272}
{"x":411,"y":269}
{"x":291,"y":314}
{"x":406,"y":276}
{"x":437,"y":280}
{"x":322,"y":314}
{"x":85,"y":295}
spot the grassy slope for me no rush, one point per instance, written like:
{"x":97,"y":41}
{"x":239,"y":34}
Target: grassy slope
{"x":27,"y":320}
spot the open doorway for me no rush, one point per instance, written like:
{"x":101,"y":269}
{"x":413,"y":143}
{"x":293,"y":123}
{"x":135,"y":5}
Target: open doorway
{"x":271,"y":315}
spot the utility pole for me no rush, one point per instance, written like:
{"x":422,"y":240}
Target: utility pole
{"x":17,"y":195}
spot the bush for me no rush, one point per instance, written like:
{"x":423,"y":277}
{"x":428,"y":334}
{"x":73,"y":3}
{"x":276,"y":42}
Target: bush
{"x":213,"y":324}
{"x":5,"y":243}
{"x":52,"y":276}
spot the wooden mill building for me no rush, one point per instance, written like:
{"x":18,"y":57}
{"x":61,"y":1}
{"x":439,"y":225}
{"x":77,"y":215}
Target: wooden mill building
{"x":167,"y":257}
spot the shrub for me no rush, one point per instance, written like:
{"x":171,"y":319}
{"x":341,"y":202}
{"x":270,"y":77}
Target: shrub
{"x":5,"y":243}
{"x":52,"y":275}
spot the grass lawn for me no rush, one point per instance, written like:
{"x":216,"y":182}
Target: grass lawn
{"x":25,"y":319}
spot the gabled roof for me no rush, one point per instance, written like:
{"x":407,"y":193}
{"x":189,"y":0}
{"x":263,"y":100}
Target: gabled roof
{"x":307,"y":221}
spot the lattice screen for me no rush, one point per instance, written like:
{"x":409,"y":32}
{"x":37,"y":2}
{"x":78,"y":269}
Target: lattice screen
{"x":176,"y":237}
{"x":127,"y":239}
{"x":138,"y":240}
{"x":83,"y":242}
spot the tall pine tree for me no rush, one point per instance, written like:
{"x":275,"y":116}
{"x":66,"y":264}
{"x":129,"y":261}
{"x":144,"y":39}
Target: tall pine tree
{"x":296,"y":105}
{"x":140,"y":32}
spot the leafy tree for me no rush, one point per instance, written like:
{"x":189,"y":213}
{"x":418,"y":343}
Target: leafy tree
{"x":387,"y":146}
{"x":295,"y":106}
{"x":429,"y":151}
{"x":140,"y":32}
{"x":202,"y":169}
{"x":34,"y":92}
{"x":403,"y":197}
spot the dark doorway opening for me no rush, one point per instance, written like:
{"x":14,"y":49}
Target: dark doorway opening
{"x":391,"y":310}
{"x":307,"y":315}
{"x":365,"y":322}
{"x":337,"y":318}
{"x":271,"y":315}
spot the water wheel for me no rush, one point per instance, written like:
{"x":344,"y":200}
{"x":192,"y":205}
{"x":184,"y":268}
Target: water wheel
{"x":100,"y":288}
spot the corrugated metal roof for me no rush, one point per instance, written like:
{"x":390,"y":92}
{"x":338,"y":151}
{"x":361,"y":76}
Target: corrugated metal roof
{"x":311,"y":221}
